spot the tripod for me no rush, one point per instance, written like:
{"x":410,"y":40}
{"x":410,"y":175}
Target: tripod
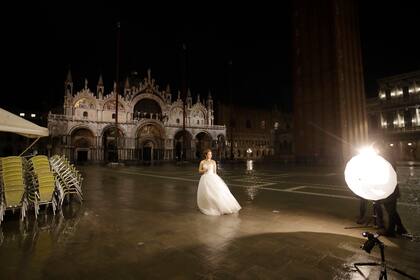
{"x":369,"y":244}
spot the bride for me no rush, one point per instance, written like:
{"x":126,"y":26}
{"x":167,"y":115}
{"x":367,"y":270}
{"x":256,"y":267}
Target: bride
{"x":213,"y":196}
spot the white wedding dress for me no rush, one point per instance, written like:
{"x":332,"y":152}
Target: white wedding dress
{"x":213,"y":196}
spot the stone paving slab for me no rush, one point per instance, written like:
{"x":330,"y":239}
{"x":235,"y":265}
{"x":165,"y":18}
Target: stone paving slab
{"x":143,"y":223}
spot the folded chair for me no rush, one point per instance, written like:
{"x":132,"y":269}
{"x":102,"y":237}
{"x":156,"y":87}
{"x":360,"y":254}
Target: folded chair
{"x":43,"y":180}
{"x":14,"y":192}
{"x":68,"y":178}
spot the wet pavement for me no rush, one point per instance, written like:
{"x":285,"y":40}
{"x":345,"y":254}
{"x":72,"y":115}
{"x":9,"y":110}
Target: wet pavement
{"x":143,"y":223}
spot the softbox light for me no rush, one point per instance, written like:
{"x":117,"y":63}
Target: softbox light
{"x":370,"y":176}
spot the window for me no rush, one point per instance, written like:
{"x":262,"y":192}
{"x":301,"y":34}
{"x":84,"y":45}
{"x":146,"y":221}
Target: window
{"x":276,"y":125}
{"x":382,"y":95}
{"x":198,"y":122}
{"x":177,"y":120}
{"x":113,"y":116}
{"x":248,"y":124}
{"x":85,"y":114}
{"x":262,"y":124}
{"x":384,"y":122}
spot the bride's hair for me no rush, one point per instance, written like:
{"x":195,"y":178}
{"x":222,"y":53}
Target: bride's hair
{"x":206,"y":151}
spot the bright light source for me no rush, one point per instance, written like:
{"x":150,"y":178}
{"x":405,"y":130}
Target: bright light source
{"x":382,"y":95}
{"x":409,"y":143}
{"x":368,"y":151}
{"x":249,"y":151}
{"x":22,"y":114}
{"x":33,"y":115}
{"x":391,"y":145}
{"x":249,"y":166}
{"x":370,"y":176}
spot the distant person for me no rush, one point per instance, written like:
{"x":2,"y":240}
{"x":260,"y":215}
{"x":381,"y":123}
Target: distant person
{"x":213,"y":196}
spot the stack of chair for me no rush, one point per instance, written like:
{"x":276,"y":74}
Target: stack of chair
{"x":2,"y":203}
{"x":14,"y":194}
{"x":43,"y":183}
{"x":69,"y":179}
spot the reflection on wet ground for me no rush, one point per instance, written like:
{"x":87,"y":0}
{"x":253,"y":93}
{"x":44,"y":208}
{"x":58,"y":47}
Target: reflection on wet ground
{"x":143,"y":223}
{"x":59,"y":227}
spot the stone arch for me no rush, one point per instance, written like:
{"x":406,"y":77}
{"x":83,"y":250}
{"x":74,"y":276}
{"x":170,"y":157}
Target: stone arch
{"x":84,"y":102}
{"x":147,"y":108}
{"x":142,"y":96}
{"x":150,"y":140}
{"x":182,"y":145}
{"x":82,"y":142}
{"x":203,"y":140}
{"x":109,"y":105}
{"x":176,"y":114}
{"x":110,"y":143}
{"x":74,"y":128}
{"x":220,"y":145}
{"x":198,"y":115}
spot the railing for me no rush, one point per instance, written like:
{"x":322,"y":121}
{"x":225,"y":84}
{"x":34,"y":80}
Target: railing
{"x":136,"y":120}
{"x":397,"y":129}
{"x":59,"y":117}
{"x":400,"y":100}
{"x":201,"y":126}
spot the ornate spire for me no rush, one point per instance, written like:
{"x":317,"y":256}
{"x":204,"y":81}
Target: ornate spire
{"x":127,"y":83}
{"x":86,"y":83}
{"x":69,"y":78}
{"x":100,"y":81}
{"x":100,"y":87}
{"x":198,"y":98}
{"x":68,"y":84}
{"x":209,"y":95}
{"x":149,"y":74}
{"x":189,"y":92}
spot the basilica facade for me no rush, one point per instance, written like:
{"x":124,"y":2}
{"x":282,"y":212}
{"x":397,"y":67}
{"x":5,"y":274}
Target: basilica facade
{"x":150,"y":127}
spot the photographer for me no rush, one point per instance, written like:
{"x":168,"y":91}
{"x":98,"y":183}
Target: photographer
{"x":390,"y":203}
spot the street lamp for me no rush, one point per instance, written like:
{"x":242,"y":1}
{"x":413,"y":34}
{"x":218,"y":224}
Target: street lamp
{"x":249,"y":166}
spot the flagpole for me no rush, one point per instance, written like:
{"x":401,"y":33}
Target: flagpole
{"x":117,"y":74}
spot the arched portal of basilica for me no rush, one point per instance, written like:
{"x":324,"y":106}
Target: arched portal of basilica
{"x":152,"y":125}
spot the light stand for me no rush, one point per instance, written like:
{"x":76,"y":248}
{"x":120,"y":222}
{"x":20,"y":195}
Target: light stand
{"x":368,"y":246}
{"x":372,"y":222}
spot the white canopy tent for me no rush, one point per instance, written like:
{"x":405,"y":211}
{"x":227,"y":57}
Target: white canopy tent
{"x":11,"y":123}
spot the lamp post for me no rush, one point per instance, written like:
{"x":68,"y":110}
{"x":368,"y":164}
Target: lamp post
{"x":117,"y":73}
{"x":230,"y":110}
{"x":249,"y":166}
{"x":184,"y":101}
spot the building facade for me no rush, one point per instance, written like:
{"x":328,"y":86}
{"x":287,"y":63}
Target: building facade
{"x":264,"y":133}
{"x":150,"y":124}
{"x":329,"y":101}
{"x":394,"y":116}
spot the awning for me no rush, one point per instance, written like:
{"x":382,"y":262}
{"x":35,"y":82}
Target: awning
{"x":12,"y":123}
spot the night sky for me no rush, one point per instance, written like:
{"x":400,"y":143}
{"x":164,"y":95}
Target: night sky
{"x":43,"y":40}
